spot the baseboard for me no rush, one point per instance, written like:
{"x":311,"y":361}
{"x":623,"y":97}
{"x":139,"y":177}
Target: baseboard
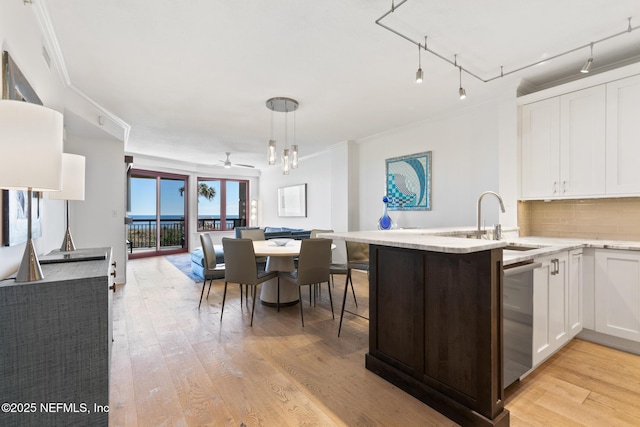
{"x":610,"y":341}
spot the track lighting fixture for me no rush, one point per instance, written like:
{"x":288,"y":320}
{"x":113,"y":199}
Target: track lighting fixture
{"x":419,"y":72}
{"x":461,"y":91}
{"x":587,"y":64}
{"x":419,"y":75}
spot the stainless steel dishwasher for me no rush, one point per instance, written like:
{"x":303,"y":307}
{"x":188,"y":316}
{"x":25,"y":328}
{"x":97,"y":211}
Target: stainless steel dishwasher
{"x":517,"y":308}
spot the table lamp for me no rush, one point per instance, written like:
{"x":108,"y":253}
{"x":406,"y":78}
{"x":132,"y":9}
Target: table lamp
{"x":31,"y":159}
{"x":72,"y":189}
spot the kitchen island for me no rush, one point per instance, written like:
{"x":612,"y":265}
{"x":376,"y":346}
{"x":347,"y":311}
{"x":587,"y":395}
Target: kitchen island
{"x":436,"y":320}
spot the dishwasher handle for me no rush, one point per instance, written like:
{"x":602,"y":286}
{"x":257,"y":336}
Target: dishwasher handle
{"x":521,"y":269}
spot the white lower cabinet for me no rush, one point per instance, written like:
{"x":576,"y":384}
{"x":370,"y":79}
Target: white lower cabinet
{"x":550,"y":306}
{"x":576,"y":292}
{"x":617,"y":293}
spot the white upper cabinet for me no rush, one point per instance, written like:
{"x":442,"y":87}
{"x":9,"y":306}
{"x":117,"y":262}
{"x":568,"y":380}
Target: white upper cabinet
{"x":582,"y":143}
{"x":540,"y":136}
{"x":563,"y":145}
{"x":623,"y":137}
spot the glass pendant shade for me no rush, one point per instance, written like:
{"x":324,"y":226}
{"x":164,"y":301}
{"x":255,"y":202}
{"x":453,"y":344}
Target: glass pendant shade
{"x":285,"y":161}
{"x":294,"y":156}
{"x":272,"y":152}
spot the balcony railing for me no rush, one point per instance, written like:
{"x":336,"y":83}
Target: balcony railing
{"x":142,"y":233}
{"x":215,"y":224}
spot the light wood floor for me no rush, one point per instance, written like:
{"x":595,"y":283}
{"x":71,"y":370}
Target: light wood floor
{"x":173,"y":365}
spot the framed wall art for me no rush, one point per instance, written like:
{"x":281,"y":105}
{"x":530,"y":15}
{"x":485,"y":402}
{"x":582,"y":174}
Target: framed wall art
{"x":14,"y":209}
{"x":409,"y":182}
{"x":292,"y":201}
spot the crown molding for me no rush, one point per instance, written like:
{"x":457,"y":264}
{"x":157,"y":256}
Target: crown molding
{"x":91,"y":110}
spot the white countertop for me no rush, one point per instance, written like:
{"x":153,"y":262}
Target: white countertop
{"x":422,"y":239}
{"x":445,"y":240}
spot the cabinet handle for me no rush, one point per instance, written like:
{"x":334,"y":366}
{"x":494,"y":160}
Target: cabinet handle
{"x":114,"y":264}
{"x":564,"y":187}
{"x":113,"y":273}
{"x":555,"y":187}
{"x":555,"y":269}
{"x":113,"y":287}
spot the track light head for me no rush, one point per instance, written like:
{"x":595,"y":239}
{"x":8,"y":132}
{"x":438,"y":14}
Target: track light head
{"x":587,"y":66}
{"x":461,"y":92}
{"x":419,"y":75}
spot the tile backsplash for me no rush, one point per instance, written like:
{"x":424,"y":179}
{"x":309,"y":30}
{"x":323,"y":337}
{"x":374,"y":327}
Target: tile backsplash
{"x":609,"y":219}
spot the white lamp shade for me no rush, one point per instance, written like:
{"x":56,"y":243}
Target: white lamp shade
{"x":72,"y":178}
{"x":30,"y":147}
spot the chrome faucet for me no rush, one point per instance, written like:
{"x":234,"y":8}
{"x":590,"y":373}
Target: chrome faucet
{"x":479,"y":232}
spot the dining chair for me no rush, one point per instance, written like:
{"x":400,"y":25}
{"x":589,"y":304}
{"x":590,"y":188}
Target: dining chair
{"x":337,"y":268}
{"x":357,"y":259}
{"x":212,"y":271}
{"x":241,"y":268}
{"x":255,"y":234}
{"x":313,"y":268}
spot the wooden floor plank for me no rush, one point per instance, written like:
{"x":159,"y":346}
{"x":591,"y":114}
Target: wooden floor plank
{"x":175,"y":365}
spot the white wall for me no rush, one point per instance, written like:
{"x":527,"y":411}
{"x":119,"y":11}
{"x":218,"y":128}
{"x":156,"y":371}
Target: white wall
{"x":465,"y":162}
{"x":98,"y":220}
{"x":328,"y":193}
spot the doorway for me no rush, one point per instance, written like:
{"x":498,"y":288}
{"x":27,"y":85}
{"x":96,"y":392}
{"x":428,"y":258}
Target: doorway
{"x":158,"y":214}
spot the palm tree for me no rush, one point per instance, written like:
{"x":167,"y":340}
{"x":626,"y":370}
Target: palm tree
{"x":204,"y":190}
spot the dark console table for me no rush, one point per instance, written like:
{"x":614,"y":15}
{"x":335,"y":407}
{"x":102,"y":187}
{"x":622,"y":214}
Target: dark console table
{"x":55,"y":343}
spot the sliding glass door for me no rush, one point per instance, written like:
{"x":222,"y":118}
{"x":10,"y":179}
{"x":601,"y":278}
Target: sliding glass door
{"x":158,"y":212}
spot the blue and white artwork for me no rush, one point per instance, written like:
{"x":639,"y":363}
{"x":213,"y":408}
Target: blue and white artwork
{"x":409,"y":182}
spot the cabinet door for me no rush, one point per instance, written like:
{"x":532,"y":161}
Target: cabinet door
{"x":582,"y":143}
{"x":617,"y":286}
{"x":623,"y":128}
{"x":540,"y":137}
{"x":550,"y":306}
{"x":575,"y":287}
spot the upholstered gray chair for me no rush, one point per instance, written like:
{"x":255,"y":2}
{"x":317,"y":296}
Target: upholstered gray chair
{"x":212,"y":271}
{"x":337,"y":268}
{"x":357,"y":259}
{"x":313,"y":268}
{"x":255,"y":234}
{"x":241,"y":268}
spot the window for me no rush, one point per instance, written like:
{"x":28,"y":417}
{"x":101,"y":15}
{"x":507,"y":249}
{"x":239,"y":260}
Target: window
{"x":222,"y":204}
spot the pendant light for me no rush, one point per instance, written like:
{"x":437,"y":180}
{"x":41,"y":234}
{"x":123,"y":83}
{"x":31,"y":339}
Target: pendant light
{"x":419,"y":74}
{"x":289,"y":157}
{"x":272,"y":145}
{"x":294,"y":146}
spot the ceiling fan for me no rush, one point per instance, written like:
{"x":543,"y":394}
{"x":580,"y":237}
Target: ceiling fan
{"x":227,"y":163}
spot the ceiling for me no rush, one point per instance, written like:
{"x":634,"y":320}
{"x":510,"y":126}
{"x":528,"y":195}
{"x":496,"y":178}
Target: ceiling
{"x":191,"y":78}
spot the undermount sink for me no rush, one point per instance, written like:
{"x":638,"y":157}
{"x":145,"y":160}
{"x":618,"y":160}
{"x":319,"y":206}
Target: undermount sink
{"x":519,"y":248}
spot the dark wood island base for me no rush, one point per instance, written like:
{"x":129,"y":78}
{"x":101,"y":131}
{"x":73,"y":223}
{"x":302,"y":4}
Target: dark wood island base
{"x":436,"y":329}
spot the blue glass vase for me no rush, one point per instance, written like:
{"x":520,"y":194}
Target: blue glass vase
{"x":385,"y":222}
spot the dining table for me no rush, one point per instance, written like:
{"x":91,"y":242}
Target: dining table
{"x":279,"y":258}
